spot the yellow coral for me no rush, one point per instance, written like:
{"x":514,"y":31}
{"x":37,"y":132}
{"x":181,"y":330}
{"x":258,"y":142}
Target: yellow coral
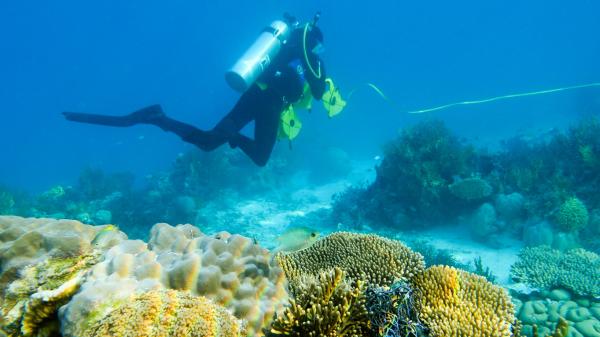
{"x":167,"y":313}
{"x":30,"y":303}
{"x":453,"y":302}
{"x":371,"y":258}
{"x":41,"y":266}
{"x":324,"y":306}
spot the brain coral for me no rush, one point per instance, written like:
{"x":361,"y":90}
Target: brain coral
{"x":581,"y":317}
{"x":42,"y":262}
{"x":231,"y":270}
{"x":167,"y":313}
{"x":371,"y":258}
{"x":455,"y":303}
{"x":470,"y":189}
{"x":544,"y":267}
{"x":324,"y":306}
{"x":572,"y":215}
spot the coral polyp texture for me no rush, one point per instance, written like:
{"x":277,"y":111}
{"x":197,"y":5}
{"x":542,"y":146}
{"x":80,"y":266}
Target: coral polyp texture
{"x":231,"y":270}
{"x":546,"y":268}
{"x":572,"y":215}
{"x":455,"y":303}
{"x":370,"y":258}
{"x":42,"y":264}
{"x":167,"y":313}
{"x":324,"y":305}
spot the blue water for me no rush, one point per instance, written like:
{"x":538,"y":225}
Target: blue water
{"x":117,"y":56}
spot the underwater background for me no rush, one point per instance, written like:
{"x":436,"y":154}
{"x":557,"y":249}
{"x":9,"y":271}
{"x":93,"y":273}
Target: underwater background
{"x":507,"y":190}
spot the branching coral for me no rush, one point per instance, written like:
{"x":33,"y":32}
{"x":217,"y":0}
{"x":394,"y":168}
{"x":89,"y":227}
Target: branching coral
{"x":572,"y":215}
{"x":167,"y":313}
{"x":546,"y":268}
{"x":455,"y":303}
{"x":371,"y":258}
{"x":324,"y":306}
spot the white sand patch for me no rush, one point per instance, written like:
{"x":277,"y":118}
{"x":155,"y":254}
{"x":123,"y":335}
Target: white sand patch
{"x":465,"y":250}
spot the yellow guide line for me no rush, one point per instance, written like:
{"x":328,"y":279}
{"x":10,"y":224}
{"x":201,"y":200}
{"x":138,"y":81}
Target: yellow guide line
{"x":480,"y":101}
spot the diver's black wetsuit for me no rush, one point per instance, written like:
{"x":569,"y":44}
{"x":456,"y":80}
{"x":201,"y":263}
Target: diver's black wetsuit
{"x":284,"y":86}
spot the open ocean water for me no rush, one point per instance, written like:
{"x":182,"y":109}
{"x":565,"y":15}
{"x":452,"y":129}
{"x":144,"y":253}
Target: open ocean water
{"x":466,"y":158}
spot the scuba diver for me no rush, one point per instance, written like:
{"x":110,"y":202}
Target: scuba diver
{"x":280,"y":71}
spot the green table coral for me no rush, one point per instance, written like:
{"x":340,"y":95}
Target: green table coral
{"x":547,"y":268}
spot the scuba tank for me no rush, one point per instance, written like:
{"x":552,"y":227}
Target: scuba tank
{"x":259,"y":56}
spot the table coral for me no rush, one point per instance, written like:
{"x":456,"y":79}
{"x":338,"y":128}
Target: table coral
{"x":167,"y":313}
{"x":545,"y":268}
{"x":453,"y":302}
{"x":371,"y":258}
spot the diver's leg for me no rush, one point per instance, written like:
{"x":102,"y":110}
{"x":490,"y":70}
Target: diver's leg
{"x":152,"y":115}
{"x":146,"y":115}
{"x":228,"y":126}
{"x":265,"y":132}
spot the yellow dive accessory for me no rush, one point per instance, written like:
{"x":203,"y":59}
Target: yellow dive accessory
{"x":290,"y":125}
{"x":332,"y":99}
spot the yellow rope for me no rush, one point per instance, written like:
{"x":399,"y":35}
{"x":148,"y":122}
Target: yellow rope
{"x":480,"y":101}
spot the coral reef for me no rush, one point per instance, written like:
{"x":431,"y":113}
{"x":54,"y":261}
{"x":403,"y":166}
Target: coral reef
{"x":510,"y":207}
{"x":167,"y":313}
{"x":547,"y":268}
{"x":412,"y":183}
{"x":452,"y":302}
{"x":324,"y":305}
{"x":434,"y":256}
{"x":470,"y":189}
{"x":481,"y":270}
{"x":231,"y":270}
{"x":572,"y":215}
{"x":42,"y":263}
{"x":483,"y":223}
{"x":370,"y":258}
{"x":558,"y":309}
{"x":7,"y":201}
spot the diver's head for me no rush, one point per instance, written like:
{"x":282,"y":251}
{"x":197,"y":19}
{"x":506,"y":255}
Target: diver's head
{"x":313,"y":42}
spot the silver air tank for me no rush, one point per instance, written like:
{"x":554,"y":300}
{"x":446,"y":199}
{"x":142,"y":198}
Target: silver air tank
{"x":258,"y":57}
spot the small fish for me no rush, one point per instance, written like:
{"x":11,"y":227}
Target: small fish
{"x":103,"y":233}
{"x":377,"y":158}
{"x":296,"y":238}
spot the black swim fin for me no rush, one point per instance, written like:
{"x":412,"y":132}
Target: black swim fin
{"x":148,"y":115}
